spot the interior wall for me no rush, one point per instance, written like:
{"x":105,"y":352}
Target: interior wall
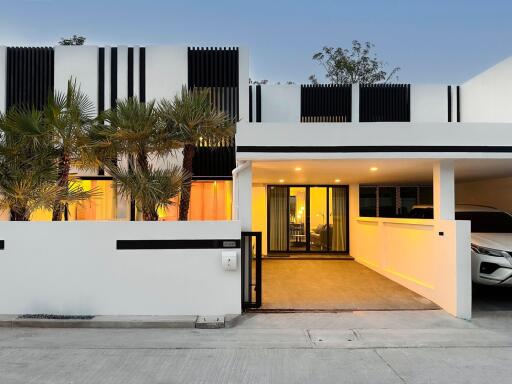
{"x":259,"y":213}
{"x":494,"y":192}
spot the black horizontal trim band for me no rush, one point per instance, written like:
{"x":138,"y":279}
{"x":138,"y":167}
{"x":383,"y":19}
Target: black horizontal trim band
{"x":375,"y":148}
{"x":178,"y":244}
{"x":2,"y":244}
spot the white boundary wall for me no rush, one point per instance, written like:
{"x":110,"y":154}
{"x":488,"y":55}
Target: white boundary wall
{"x":412,"y":253}
{"x":74,"y":268}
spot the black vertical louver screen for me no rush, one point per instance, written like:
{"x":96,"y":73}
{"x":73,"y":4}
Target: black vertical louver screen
{"x":30,"y":76}
{"x":384,"y":102}
{"x":215,"y":69}
{"x":325,"y":103}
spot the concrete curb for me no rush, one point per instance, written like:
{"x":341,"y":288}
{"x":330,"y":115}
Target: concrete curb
{"x":126,"y":322}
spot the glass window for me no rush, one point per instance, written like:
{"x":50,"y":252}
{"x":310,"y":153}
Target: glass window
{"x":101,"y":207}
{"x":426,"y":195}
{"x":209,"y":200}
{"x":387,"y":201}
{"x":297,"y":218}
{"x":408,"y":198}
{"x":318,"y":219}
{"x":368,"y":201}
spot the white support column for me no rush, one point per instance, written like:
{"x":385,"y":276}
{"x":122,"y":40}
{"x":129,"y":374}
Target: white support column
{"x":444,"y":190}
{"x":355,"y":103}
{"x":244,"y":184}
{"x":243,"y":84}
{"x":353,"y":215}
{"x":122,"y":72}
{"x":3,"y":79}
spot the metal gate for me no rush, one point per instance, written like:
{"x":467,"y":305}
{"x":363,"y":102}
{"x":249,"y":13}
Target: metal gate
{"x":251,"y":270}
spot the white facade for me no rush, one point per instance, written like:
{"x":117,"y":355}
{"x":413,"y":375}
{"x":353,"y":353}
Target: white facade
{"x":76,"y":63}
{"x":166,"y":71}
{"x":486,"y":97}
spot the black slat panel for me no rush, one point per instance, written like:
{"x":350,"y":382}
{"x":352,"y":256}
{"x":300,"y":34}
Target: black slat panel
{"x":29,"y":75}
{"x":250,"y":103}
{"x":449,"y":103}
{"x":384,"y":102}
{"x":130,"y":72}
{"x":325,"y":103}
{"x":142,"y":74}
{"x":458,"y":104}
{"x":212,"y":67}
{"x":258,"y":103}
{"x":215,"y":69}
{"x":113,"y":77}
{"x":101,"y":80}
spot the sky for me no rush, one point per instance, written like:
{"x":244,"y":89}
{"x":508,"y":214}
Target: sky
{"x":432,"y":41}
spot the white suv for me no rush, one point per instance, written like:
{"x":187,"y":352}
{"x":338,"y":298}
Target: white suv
{"x":491,"y":241}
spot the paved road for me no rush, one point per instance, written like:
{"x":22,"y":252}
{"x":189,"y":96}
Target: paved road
{"x":359,"y":347}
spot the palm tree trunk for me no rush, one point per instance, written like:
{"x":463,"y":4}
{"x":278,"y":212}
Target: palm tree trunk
{"x":150,"y":214}
{"x":19,"y":214}
{"x":188,"y":156}
{"x":64,"y":167}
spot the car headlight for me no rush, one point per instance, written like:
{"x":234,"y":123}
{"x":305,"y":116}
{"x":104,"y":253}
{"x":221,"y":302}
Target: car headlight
{"x":489,"y":251}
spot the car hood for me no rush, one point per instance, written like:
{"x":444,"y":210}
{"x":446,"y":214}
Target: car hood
{"x":502,"y":241}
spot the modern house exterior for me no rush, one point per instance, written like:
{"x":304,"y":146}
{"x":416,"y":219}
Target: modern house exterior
{"x":318,"y":170}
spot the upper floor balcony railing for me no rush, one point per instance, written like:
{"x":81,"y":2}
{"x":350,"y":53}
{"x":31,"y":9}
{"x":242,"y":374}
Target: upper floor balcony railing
{"x":347,"y":103}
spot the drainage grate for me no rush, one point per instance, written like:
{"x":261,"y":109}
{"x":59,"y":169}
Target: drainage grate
{"x":56,"y":317}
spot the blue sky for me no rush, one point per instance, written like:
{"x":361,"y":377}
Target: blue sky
{"x":432,"y":41}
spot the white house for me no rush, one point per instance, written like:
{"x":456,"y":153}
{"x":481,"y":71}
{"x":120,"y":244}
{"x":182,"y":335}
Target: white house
{"x":323,"y":170}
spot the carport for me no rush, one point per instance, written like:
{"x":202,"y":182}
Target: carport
{"x":431,"y":257}
{"x":397,"y":263}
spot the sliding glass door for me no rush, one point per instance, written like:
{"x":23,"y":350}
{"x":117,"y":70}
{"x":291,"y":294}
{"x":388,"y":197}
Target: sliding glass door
{"x":307,"y":219}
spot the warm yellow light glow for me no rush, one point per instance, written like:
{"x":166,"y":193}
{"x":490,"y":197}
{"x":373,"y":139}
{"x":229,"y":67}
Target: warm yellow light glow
{"x":337,"y":180}
{"x":373,"y":169}
{"x":281,"y":180}
{"x":298,"y":169}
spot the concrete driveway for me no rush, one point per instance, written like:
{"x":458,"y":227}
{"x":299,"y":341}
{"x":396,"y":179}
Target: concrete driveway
{"x":349,"y":347}
{"x":333,"y":285}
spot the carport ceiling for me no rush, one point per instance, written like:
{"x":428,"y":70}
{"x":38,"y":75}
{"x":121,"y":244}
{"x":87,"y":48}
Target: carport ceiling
{"x":389,"y":171}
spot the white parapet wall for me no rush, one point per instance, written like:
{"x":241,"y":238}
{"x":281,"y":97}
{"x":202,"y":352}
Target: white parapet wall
{"x":76,"y":268}
{"x":430,"y":257}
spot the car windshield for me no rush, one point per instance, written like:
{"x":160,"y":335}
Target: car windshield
{"x":487,"y":222}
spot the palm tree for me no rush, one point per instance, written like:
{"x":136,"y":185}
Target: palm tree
{"x":191,"y":117}
{"x":28,"y":171}
{"x":68,"y":117}
{"x":134,"y":131}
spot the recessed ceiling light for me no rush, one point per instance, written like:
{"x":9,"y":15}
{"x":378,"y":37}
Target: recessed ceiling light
{"x":281,"y":180}
{"x":337,"y":180}
{"x":298,"y":169}
{"x":373,"y":169}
